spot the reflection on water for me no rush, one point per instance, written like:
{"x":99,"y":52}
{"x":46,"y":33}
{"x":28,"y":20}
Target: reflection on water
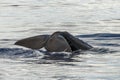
{"x":94,"y":21}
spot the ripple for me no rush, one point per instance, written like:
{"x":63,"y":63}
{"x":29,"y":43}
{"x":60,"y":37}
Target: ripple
{"x":110,"y":44}
{"x":63,"y":56}
{"x":100,"y":35}
{"x":15,"y":5}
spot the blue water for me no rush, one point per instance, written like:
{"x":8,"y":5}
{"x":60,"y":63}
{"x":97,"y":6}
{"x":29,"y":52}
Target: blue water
{"x":97,"y":22}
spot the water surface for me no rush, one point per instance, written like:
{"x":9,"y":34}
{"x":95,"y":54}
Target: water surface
{"x":94,"y":21}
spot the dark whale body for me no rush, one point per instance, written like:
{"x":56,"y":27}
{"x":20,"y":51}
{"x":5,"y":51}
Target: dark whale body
{"x":57,"y":42}
{"x":35,"y":42}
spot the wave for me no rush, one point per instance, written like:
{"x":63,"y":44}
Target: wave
{"x":23,"y":53}
{"x":100,"y":35}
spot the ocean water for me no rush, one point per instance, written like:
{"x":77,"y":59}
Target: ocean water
{"x":97,"y":22}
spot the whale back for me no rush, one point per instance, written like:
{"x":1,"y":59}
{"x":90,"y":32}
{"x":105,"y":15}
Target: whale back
{"x":35,"y":42}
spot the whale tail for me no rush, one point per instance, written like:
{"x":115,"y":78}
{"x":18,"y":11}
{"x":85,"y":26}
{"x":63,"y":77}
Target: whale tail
{"x":35,"y":42}
{"x":75,"y":43}
{"x":64,"y":41}
{"x":57,"y":42}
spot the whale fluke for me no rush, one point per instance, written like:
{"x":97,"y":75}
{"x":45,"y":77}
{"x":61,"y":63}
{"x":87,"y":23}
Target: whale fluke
{"x":75,"y":43}
{"x":35,"y":42}
{"x":57,"y":43}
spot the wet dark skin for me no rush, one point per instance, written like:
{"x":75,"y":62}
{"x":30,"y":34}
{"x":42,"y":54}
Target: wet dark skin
{"x":57,"y":42}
